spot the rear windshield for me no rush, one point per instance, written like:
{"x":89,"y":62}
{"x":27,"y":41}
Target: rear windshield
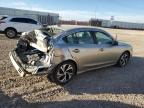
{"x":2,"y":18}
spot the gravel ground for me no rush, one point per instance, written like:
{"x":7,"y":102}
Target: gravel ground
{"x":110,"y":87}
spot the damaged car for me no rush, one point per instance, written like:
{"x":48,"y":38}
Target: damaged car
{"x":68,"y":53}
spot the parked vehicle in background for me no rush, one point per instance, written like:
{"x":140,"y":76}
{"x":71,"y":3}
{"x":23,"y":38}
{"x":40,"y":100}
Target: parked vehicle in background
{"x":11,"y":26}
{"x":68,"y":53}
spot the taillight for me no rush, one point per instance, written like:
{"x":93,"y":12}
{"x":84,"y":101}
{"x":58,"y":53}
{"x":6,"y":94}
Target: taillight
{"x":2,"y":22}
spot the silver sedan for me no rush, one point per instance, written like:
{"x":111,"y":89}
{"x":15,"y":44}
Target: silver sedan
{"x":68,"y":53}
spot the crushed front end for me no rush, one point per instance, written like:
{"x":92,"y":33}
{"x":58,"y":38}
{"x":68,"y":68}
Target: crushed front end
{"x":33,"y":54}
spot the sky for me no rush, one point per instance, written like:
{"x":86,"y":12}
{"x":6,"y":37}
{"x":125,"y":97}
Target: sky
{"x":122,"y":10}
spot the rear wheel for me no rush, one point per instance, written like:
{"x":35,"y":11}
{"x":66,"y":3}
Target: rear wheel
{"x":124,"y":59}
{"x":64,"y":73}
{"x":11,"y":33}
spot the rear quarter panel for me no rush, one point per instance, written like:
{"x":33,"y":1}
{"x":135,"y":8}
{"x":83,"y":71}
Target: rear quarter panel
{"x":61,"y":54}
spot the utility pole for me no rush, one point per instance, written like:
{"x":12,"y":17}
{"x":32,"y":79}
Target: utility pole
{"x":111,"y":20}
{"x":95,"y":14}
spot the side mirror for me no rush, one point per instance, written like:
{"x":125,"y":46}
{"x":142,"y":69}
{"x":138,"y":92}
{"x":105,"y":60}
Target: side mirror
{"x":115,"y":43}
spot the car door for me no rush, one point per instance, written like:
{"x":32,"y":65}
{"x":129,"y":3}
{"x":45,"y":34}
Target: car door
{"x":107,"y":53}
{"x":82,"y":48}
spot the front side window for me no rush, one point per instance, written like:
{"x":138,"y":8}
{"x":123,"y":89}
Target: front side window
{"x":103,"y":38}
{"x":31,"y":21}
{"x":79,"y":38}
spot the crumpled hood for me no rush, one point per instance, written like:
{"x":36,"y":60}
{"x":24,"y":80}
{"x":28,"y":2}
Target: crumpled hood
{"x":37,"y":39}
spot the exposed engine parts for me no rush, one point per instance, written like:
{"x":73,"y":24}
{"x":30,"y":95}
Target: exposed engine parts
{"x":34,"y":51}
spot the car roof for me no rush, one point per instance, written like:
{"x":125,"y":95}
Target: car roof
{"x":77,"y":29}
{"x":67,"y":30}
{"x":73,"y":27}
{"x":70,"y":29}
{"x":20,"y":17}
{"x":10,"y":17}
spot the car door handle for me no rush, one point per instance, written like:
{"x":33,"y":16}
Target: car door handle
{"x":101,"y":49}
{"x":76,"y":50}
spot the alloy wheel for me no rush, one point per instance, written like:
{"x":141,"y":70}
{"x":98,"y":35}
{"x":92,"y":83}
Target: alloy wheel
{"x":65,"y":73}
{"x":124,"y":59}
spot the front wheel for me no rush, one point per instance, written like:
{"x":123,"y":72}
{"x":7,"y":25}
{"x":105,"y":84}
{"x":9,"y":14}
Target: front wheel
{"x":64,"y":73}
{"x":124,"y":59}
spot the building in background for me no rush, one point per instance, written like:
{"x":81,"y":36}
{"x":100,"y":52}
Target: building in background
{"x":45,"y":18}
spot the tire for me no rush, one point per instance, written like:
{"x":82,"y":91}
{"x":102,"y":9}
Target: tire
{"x":10,"y":33}
{"x":64,"y":73}
{"x":124,"y":59}
{"x":22,"y":45}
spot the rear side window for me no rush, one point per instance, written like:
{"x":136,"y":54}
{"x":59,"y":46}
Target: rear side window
{"x":79,"y":38}
{"x":71,"y":39}
{"x":84,"y":38}
{"x":24,"y":20}
{"x":20,"y":20}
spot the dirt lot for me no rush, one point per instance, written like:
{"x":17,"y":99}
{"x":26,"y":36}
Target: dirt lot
{"x":110,"y":87}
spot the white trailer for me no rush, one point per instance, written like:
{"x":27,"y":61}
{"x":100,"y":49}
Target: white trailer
{"x":124,"y":25}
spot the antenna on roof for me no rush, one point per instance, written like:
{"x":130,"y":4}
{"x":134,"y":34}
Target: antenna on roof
{"x":116,"y":37}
